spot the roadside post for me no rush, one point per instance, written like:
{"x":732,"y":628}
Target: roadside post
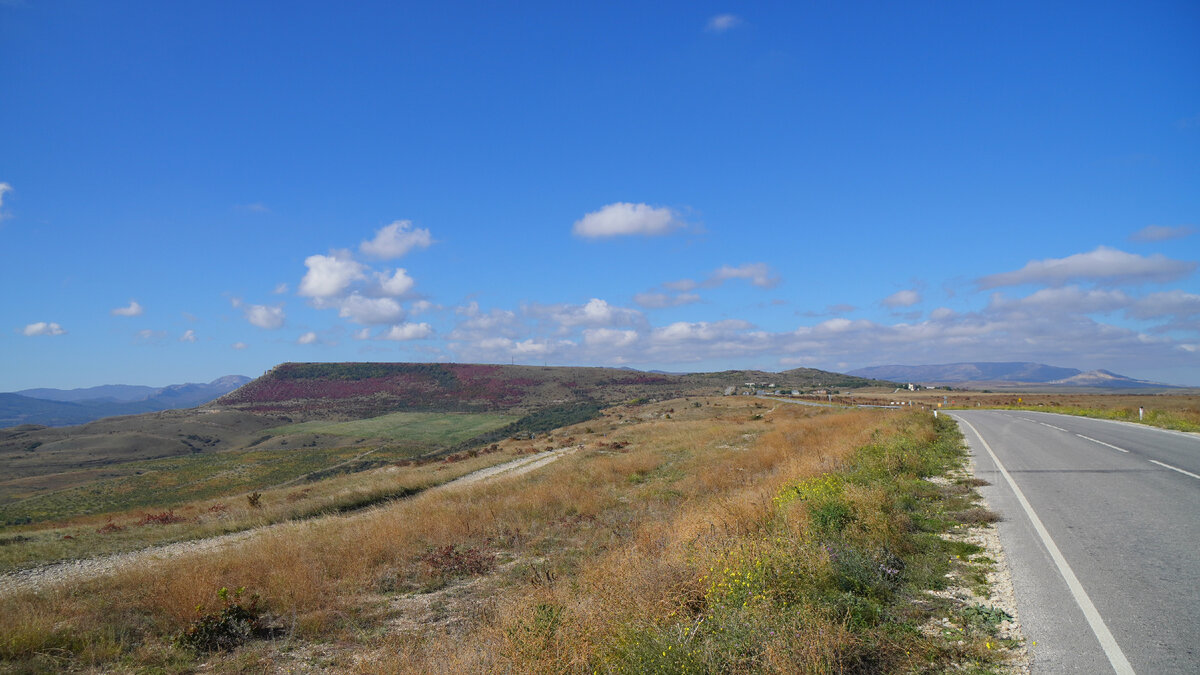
{"x":1141,"y":413}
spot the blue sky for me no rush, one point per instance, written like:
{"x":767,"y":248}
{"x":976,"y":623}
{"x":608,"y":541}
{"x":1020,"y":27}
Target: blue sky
{"x":194,"y":190}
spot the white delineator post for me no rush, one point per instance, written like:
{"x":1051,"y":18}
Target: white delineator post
{"x":1141,"y":413}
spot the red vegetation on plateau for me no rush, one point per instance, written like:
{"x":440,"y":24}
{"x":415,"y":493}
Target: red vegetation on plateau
{"x":372,"y":388}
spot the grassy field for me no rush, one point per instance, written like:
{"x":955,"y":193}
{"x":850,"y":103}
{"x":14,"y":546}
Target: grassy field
{"x":1168,"y":411}
{"x":442,"y":428}
{"x":166,"y":482}
{"x":170,"y":518}
{"x":1179,"y":419}
{"x":710,"y":535}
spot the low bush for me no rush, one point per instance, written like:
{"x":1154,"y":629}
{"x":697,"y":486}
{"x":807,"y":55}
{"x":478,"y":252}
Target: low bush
{"x":226,"y":628}
{"x":453,"y":561}
{"x":163,"y":518}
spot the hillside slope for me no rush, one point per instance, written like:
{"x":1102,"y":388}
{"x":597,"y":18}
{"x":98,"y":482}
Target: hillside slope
{"x":394,"y":410}
{"x":355,"y":390}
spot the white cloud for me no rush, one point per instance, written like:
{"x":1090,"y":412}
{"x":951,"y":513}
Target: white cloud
{"x":134,"y":309}
{"x":596,"y":312}
{"x":396,"y":284}
{"x":256,"y":207}
{"x":1051,"y":325}
{"x":422,"y":306}
{"x":4,"y":188}
{"x":685,"y":331}
{"x":906,"y":298}
{"x":408,"y":331}
{"x":682,"y":285}
{"x":836,"y":325}
{"x":147,"y":334}
{"x":370,"y":311}
{"x":610,"y":338}
{"x":1103,"y":265}
{"x":830,"y":310}
{"x":1162,"y":233}
{"x":623,"y":218}
{"x":539,"y":347}
{"x":481,"y":325}
{"x":263,"y":316}
{"x":189,"y":335}
{"x":758,"y":274}
{"x":395,"y":240}
{"x":1067,"y":299}
{"x":362,"y":334}
{"x":280,"y":289}
{"x":722,"y":22}
{"x":239,"y":345}
{"x":307,"y":338}
{"x":329,"y":275}
{"x":44,"y":328}
{"x":532,"y":347}
{"x":652,"y":300}
{"x":1169,"y":303}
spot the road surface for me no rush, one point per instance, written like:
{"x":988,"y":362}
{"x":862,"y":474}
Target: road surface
{"x":1102,"y":531}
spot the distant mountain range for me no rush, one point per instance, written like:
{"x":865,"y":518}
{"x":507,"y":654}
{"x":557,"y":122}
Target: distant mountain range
{"x":1002,"y":374}
{"x":64,"y":407}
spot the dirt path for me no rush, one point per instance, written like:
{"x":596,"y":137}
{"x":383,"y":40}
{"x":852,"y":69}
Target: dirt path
{"x":46,"y":576}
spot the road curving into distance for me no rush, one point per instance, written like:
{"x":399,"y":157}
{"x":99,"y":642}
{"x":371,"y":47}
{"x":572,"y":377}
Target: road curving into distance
{"x":1101,"y":526}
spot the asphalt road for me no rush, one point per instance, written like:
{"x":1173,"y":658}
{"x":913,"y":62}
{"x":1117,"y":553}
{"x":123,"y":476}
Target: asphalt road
{"x":1102,"y":533}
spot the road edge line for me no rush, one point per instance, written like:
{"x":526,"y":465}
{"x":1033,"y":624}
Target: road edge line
{"x":1173,"y":468}
{"x":1112,"y":650}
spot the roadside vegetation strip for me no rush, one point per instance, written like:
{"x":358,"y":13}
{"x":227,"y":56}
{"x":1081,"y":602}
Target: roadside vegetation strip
{"x":837,"y":578}
{"x":1175,"y":420}
{"x":686,"y":535}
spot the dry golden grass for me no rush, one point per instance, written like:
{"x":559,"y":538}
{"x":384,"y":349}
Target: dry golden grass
{"x":120,"y":531}
{"x":1172,"y":411}
{"x":591,"y":548}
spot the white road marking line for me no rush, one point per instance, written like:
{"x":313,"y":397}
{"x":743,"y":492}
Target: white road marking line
{"x":1112,"y":650}
{"x":1052,"y":426}
{"x":1088,"y":438}
{"x":1191,"y":436}
{"x":1175,"y":468}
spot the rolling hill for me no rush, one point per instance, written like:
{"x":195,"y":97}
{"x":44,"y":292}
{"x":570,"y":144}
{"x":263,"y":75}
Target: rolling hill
{"x":412,"y":408}
{"x":356,"y":390}
{"x":303,"y":420}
